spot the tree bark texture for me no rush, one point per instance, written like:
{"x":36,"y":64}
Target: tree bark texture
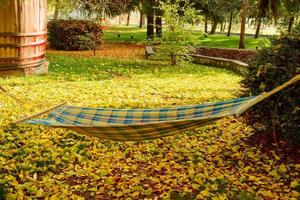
{"x":158,"y":26}
{"x":128,"y":19}
{"x":258,"y":27}
{"x":150,"y":19}
{"x":141,"y":19}
{"x":230,"y":24}
{"x":213,"y":27}
{"x":291,"y":22}
{"x":206,"y":24}
{"x":56,"y":9}
{"x":243,"y":23}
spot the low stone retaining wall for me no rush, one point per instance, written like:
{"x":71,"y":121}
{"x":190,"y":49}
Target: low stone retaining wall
{"x":233,"y":65}
{"x":243,"y":55}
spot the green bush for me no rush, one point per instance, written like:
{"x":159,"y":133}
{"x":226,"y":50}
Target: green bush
{"x":74,"y":35}
{"x":297,"y":28}
{"x":269,"y":68}
{"x":2,"y":191}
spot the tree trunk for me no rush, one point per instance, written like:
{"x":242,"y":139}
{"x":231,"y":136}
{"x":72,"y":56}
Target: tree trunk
{"x":230,"y":24}
{"x":291,"y":22}
{"x":224,"y":26}
{"x":158,"y":19}
{"x":173,"y":59}
{"x":221,"y":26}
{"x":158,"y":26}
{"x":150,"y":26}
{"x":120,"y":19}
{"x":141,"y":19}
{"x":258,"y":27}
{"x":150,"y":19}
{"x":206,"y":24}
{"x":56,"y":10}
{"x":243,"y":23}
{"x":214,"y":27}
{"x":128,"y":19}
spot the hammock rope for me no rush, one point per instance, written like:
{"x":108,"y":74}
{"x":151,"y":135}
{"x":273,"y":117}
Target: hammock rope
{"x":4,"y":91}
{"x":145,"y":124}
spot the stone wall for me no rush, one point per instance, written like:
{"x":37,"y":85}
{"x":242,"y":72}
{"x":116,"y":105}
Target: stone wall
{"x":233,"y":65}
{"x":243,"y":55}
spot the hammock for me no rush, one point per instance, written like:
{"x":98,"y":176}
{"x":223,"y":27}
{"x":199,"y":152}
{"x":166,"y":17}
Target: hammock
{"x":146,"y":124}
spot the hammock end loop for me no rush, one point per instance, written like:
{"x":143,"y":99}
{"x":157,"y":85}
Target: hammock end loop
{"x":37,"y":114}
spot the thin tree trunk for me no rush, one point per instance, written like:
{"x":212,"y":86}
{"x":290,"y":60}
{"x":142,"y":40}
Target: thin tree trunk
{"x":258,"y":27}
{"x":103,"y":16}
{"x":56,"y":10}
{"x":150,"y":26}
{"x":120,"y":19}
{"x":141,"y":19}
{"x":221,"y":26}
{"x":128,"y":19}
{"x":173,"y":59}
{"x":158,"y":26}
{"x":224,"y":26}
{"x":150,"y":19}
{"x":158,"y":19}
{"x":243,"y":23}
{"x":214,"y":27}
{"x":230,"y":24}
{"x":291,"y":22}
{"x":206,"y":24}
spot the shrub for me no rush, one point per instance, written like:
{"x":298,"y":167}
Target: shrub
{"x":297,"y":28}
{"x":2,"y":191}
{"x":269,"y":68}
{"x":74,"y":35}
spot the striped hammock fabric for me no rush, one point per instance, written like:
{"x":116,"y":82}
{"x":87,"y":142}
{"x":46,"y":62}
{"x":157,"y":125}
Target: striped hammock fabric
{"x":146,"y":124}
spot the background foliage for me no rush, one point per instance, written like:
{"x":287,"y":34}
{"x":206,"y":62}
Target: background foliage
{"x":74,"y":35}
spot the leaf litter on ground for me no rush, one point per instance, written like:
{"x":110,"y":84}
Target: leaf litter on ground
{"x":212,"y":162}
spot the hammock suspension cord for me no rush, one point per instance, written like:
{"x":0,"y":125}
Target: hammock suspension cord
{"x":22,"y":103}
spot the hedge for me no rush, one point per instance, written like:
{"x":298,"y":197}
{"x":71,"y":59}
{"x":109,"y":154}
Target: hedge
{"x":74,"y":35}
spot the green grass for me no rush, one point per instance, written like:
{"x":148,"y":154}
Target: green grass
{"x":230,"y":42}
{"x":138,"y":34}
{"x":217,"y":40}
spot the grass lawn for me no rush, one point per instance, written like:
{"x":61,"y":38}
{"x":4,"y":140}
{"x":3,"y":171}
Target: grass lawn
{"x":231,"y":42}
{"x":139,"y":36}
{"x":212,"y":162}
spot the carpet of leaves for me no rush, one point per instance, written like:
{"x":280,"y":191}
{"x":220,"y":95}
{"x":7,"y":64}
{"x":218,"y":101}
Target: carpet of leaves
{"x":212,"y":162}
{"x":109,"y":50}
